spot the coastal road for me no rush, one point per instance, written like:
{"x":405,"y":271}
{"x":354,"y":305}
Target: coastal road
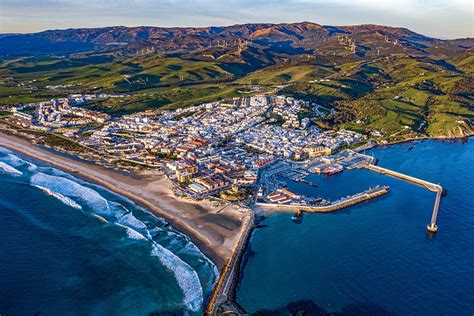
{"x":224,"y":285}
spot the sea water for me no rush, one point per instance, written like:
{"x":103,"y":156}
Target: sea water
{"x":375,"y":258}
{"x":71,"y":247}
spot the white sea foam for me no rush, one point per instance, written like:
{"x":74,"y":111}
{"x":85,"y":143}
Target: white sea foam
{"x":71,"y":189}
{"x":189,"y":248}
{"x":131,"y":232}
{"x":13,"y":160}
{"x":186,"y":277}
{"x":118,"y":209}
{"x":18,"y":162}
{"x":9,"y":169}
{"x":181,"y":244}
{"x":174,"y":243}
{"x":134,"y":234}
{"x":132,"y":222}
{"x":100,"y":218}
{"x":68,"y":201}
{"x":155,"y":230}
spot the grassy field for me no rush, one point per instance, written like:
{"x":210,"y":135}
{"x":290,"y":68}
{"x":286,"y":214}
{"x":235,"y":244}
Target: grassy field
{"x":282,"y":74}
{"x":153,"y":82}
{"x":420,"y":100}
{"x":112,"y":73}
{"x":399,"y":96}
{"x":166,"y":98}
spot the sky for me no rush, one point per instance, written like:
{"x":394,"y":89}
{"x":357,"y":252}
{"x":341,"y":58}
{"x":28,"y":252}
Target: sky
{"x":436,"y":18}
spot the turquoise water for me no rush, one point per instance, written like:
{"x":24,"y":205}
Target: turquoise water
{"x":377,"y":257}
{"x":58,"y":257}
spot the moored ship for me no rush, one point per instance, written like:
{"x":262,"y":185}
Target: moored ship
{"x":333,"y":170}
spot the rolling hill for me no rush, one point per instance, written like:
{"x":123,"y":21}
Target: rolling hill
{"x":382,"y":78}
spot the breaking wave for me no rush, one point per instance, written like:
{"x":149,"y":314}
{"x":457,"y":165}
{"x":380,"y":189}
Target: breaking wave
{"x":117,"y":214}
{"x":134,"y":234}
{"x":186,"y":277}
{"x":9,"y":169}
{"x":18,"y":162}
{"x":4,"y":150}
{"x":100,"y":218}
{"x":68,"y":201}
{"x":71,"y":189}
{"x":190,"y":268}
{"x":135,"y":224}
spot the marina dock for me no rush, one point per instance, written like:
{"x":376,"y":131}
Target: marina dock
{"x":337,"y":205}
{"x":438,"y":189}
{"x":313,"y":184}
{"x":222,"y":300}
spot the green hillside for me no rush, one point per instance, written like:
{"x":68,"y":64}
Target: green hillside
{"x":112,"y":73}
{"x":152,"y":81}
{"x":166,"y":98}
{"x":420,"y":97}
{"x":399,"y":95}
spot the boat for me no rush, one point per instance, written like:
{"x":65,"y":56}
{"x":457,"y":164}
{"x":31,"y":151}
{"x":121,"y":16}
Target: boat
{"x":309,"y":183}
{"x":297,"y":217}
{"x":260,"y":192}
{"x":333,"y":170}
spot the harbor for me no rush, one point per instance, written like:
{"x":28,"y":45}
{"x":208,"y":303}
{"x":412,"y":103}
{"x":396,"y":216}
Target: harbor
{"x":299,"y":175}
{"x":438,"y":189}
{"x":276,"y":195}
{"x":366,"y":195}
{"x":404,"y":259}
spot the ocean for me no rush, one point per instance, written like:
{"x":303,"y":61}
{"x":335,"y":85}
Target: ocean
{"x":71,"y":247}
{"x":375,"y":258}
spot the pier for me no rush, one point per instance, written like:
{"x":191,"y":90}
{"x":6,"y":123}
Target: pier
{"x":313,"y":184}
{"x":355,"y":199}
{"x":222,"y":296}
{"x":432,"y":226}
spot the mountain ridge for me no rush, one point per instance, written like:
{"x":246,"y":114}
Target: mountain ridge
{"x":377,"y":78}
{"x":165,"y":39}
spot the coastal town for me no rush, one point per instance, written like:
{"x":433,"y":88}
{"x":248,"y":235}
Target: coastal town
{"x":227,"y":158}
{"x":231,"y":149}
{"x":248,"y":152}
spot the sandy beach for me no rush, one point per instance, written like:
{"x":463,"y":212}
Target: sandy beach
{"x":215,"y":232}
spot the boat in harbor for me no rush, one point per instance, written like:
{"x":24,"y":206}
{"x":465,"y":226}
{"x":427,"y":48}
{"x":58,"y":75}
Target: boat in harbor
{"x":313,"y":184}
{"x":333,"y":170}
{"x":297,"y":217}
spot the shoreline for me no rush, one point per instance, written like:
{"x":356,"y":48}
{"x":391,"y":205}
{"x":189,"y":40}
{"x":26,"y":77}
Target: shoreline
{"x":439,"y":138}
{"x":215,"y":234}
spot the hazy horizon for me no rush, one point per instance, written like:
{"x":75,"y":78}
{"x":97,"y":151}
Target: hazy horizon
{"x":440,"y":19}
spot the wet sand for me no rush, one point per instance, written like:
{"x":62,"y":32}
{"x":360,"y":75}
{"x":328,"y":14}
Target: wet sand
{"x":215,"y":233}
